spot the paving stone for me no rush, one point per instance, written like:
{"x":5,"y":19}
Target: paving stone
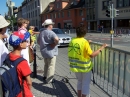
{"x":59,"y":88}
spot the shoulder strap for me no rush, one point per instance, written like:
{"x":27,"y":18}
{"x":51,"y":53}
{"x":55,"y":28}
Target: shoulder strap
{"x":17,"y":61}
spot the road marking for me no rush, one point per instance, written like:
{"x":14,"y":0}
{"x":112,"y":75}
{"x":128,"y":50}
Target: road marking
{"x":126,"y":41}
{"x":116,"y":40}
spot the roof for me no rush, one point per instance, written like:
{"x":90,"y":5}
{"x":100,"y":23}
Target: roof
{"x":47,"y":8}
{"x":72,"y":4}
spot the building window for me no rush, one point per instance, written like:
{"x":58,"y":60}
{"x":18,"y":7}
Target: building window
{"x":46,"y":16}
{"x":62,"y":14}
{"x":81,"y":12}
{"x":126,"y":3}
{"x":55,"y":15}
{"x":31,"y":14}
{"x":91,"y":14}
{"x":35,"y":12}
{"x":90,"y":3}
{"x":36,"y":23}
{"x":68,"y":13}
{"x":123,"y":3}
{"x":105,"y":4}
{"x":43,"y":18}
{"x":51,"y":16}
{"x":38,"y":2}
{"x":119,"y":3}
{"x":35,"y":4}
{"x":59,"y":15}
{"x":57,"y":5}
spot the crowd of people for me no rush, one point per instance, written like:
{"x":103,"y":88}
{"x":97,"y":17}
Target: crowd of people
{"x":79,"y":54}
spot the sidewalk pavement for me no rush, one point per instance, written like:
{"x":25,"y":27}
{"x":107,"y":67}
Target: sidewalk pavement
{"x":59,"y":88}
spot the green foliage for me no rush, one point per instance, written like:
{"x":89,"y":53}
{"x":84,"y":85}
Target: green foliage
{"x":13,"y":20}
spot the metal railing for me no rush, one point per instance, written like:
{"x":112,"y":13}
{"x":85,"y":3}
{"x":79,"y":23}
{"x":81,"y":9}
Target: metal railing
{"x":112,"y":71}
{"x":69,"y":31}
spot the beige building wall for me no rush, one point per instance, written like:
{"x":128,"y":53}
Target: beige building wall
{"x":44,"y":4}
{"x":124,"y":13}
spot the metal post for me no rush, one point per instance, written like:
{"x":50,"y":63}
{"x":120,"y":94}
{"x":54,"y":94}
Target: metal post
{"x":112,"y":24}
{"x":69,"y":31}
{"x":35,"y":65}
{"x":12,"y":24}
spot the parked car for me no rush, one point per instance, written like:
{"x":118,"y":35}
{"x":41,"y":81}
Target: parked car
{"x":64,"y":39}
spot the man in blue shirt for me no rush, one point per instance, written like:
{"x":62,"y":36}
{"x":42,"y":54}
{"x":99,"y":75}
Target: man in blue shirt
{"x":48,"y":41}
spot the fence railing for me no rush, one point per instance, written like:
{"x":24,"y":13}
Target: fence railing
{"x":69,"y":31}
{"x":112,"y":71}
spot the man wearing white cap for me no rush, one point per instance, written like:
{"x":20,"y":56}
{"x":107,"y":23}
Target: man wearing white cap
{"x":48,"y":41}
{"x":3,"y":49}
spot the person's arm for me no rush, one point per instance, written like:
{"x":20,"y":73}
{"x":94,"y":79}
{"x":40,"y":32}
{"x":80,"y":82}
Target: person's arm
{"x":24,"y":69}
{"x":5,"y":36}
{"x":56,"y":41}
{"x":35,"y":32}
{"x":95,"y":53}
{"x":29,"y":82}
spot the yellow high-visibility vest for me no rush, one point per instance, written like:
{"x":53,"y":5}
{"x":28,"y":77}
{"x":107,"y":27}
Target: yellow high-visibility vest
{"x":77,"y":61}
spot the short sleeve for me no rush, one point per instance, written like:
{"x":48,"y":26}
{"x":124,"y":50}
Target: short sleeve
{"x":53,"y":35}
{"x":24,"y":69}
{"x":87,"y":50}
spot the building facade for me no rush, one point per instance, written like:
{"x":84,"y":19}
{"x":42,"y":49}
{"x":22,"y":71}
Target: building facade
{"x":31,"y":9}
{"x":19,"y":14}
{"x":66,"y":13}
{"x":92,"y":14}
{"x":96,"y":13}
{"x":33,"y":12}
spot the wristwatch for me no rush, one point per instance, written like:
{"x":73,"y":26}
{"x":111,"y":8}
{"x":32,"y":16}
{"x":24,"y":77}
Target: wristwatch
{"x":100,"y":50}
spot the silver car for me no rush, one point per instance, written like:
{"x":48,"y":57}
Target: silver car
{"x":64,"y":39}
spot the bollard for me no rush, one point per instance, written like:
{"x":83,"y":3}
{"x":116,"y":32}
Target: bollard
{"x":34,"y":64}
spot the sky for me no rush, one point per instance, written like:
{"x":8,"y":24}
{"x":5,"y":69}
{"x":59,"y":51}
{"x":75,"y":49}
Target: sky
{"x":3,"y":7}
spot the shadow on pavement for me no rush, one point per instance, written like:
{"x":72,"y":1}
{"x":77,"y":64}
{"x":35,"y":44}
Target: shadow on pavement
{"x":58,"y":88}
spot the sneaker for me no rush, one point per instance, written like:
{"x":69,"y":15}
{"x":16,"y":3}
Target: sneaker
{"x":51,"y":81}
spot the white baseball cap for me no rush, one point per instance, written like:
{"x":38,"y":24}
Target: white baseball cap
{"x":3,"y":22}
{"x":48,"y":22}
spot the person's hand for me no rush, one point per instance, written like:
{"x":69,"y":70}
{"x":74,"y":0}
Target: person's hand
{"x":53,"y":45}
{"x":105,"y":45}
{"x":89,"y":41}
{"x":5,"y":36}
{"x":31,"y":47}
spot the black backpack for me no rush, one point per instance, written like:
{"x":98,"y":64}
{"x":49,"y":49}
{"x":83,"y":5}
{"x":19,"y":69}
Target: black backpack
{"x":9,"y":77}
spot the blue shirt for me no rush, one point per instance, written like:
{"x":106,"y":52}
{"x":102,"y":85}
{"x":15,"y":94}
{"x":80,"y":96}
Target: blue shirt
{"x":46,"y":38}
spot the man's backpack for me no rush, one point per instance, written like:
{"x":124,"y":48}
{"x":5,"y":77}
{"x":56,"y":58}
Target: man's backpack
{"x":9,"y":77}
